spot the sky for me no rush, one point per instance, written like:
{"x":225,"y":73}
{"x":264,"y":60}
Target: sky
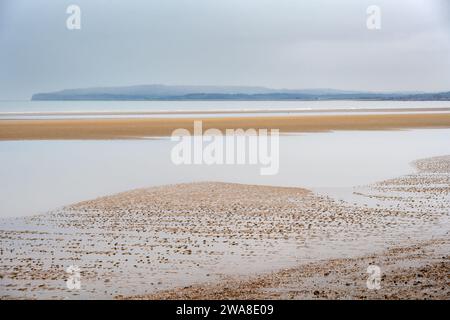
{"x":274,"y":43}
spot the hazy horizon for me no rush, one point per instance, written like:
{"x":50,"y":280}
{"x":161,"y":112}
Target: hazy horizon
{"x":274,"y":44}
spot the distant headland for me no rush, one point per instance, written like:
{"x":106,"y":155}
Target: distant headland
{"x":158,"y":92}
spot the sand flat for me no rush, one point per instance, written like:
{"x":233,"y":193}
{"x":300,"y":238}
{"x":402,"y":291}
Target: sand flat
{"x":190,"y":239}
{"x":418,"y":271}
{"x":153,"y":127}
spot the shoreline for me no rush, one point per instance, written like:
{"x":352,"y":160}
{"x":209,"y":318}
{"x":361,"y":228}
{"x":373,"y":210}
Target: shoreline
{"x":135,"y":128}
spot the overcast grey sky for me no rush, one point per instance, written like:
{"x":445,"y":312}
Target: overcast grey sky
{"x":273,"y":43}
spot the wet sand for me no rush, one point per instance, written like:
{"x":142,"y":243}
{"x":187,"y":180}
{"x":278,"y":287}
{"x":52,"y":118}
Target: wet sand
{"x":419,"y":271}
{"x":412,"y":269}
{"x":151,"y":127}
{"x":221,"y":240}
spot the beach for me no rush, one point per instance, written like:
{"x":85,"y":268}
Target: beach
{"x":414,"y":272}
{"x":72,"y":129}
{"x":227,"y":232}
{"x":237,"y":151}
{"x":220,"y":240}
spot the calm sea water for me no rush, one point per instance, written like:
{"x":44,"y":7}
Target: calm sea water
{"x":142,"y":106}
{"x":37,"y":176}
